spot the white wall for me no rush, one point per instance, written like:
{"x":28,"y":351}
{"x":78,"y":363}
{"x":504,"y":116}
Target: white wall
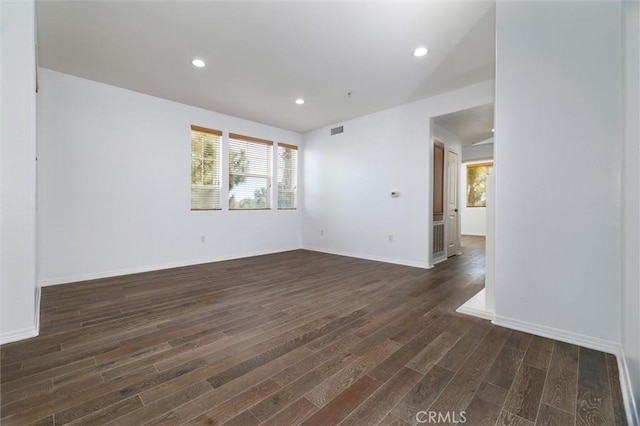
{"x":348,"y":178}
{"x":450,"y":139}
{"x":477,"y":152}
{"x":114,"y":185}
{"x":631,"y":200}
{"x":474,"y":219}
{"x":18,"y":152}
{"x":558,"y":111}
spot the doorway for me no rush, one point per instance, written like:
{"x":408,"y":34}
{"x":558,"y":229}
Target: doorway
{"x":468,"y":138}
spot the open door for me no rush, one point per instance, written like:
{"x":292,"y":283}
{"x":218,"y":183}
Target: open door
{"x":438,"y":251}
{"x":453,"y":230}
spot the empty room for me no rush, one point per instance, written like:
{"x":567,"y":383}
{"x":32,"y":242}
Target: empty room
{"x":320,"y":212}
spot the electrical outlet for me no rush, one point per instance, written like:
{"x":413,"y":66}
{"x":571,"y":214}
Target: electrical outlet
{"x":322,"y":232}
{"x":390,"y":238}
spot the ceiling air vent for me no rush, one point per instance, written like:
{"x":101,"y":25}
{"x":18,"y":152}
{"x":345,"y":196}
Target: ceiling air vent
{"x":337,"y":130}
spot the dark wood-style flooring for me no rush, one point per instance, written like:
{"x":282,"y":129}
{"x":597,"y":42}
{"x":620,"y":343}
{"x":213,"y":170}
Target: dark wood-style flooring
{"x":296,"y":338}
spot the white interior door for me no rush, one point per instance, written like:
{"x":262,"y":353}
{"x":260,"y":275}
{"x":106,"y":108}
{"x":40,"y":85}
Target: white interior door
{"x":453,"y":171}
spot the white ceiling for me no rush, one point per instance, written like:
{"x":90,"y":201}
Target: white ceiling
{"x":263,"y":55}
{"x":471,"y":125}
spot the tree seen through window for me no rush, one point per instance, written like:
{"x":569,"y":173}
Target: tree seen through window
{"x":477,"y":184}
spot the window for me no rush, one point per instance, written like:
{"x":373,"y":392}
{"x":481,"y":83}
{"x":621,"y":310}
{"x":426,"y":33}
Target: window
{"x":477,"y":184}
{"x":287,"y":176}
{"x":205,"y":168}
{"x":249,"y":173}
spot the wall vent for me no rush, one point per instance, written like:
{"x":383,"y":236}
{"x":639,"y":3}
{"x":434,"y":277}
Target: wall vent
{"x":438,"y":238}
{"x":337,"y":130}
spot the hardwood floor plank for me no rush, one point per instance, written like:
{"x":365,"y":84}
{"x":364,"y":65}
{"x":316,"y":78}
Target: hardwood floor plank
{"x":233,"y":388}
{"x":481,"y":412}
{"x":525,"y":394}
{"x":243,"y":419}
{"x":519,"y":340}
{"x":390,"y":366}
{"x":392,"y":420}
{"x":492,"y":393}
{"x":461,"y":389}
{"x":281,"y":399}
{"x":422,"y":395}
{"x":235,"y":405}
{"x":297,"y":370}
{"x":160,"y":407}
{"x":594,"y":406}
{"x":255,"y":376}
{"x":550,"y":416}
{"x":486,"y":406}
{"x":592,"y":371}
{"x":26,"y":391}
{"x":382,"y":318}
{"x":167,"y":419}
{"x":509,"y":419}
{"x":504,"y":368}
{"x":46,"y":421}
{"x":539,"y":352}
{"x":407,"y":333}
{"x":341,"y":380}
{"x":135,"y":361}
{"x":109,"y":413}
{"x":380,"y":403}
{"x":561,"y":385}
{"x":16,"y":352}
{"x":337,"y":335}
{"x":461,"y":351}
{"x":106,"y":399}
{"x":460,"y":325}
{"x":71,"y":396}
{"x":294,"y":414}
{"x":277,"y":351}
{"x":431,"y":354}
{"x":342,"y":405}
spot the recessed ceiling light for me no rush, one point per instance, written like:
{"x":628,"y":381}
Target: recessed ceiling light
{"x":299,"y":101}
{"x":493,"y":130}
{"x":420,"y":51}
{"x":198,"y":63}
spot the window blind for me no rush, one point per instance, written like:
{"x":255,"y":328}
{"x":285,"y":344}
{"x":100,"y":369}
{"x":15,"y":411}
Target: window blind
{"x":249,"y":173}
{"x":205,"y":168}
{"x":287,"y":176}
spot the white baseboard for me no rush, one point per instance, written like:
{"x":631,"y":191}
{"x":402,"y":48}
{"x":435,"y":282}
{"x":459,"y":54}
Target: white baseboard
{"x":476,"y":307}
{"x":14,"y":336}
{"x":36,"y":313}
{"x":423,"y":265}
{"x":627,"y":391}
{"x":439,"y":260}
{"x":587,"y":342}
{"x":149,"y":268}
{"x":557,"y":334}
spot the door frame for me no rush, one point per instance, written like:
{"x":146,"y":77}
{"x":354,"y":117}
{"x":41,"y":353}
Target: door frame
{"x":447,"y":147}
